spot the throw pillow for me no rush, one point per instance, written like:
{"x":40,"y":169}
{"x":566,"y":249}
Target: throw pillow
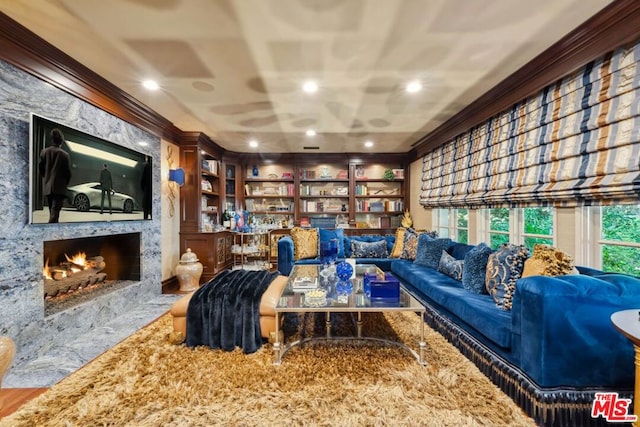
{"x":348,"y":242}
{"x":361,"y":249}
{"x":548,"y":261}
{"x":396,"y":252}
{"x":459,"y":250}
{"x":305,"y":243}
{"x":324,"y":235}
{"x":504,"y":268}
{"x":409,"y":244}
{"x":450,"y":266}
{"x":475,"y":269}
{"x":429,"y":251}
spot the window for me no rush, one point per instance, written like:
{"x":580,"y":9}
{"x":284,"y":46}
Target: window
{"x":499,"y":227}
{"x":526,"y":226}
{"x":619,"y":238}
{"x":537,"y":226}
{"x":452,"y":223}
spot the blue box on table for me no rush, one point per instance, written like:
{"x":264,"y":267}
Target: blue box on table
{"x":382,"y":288}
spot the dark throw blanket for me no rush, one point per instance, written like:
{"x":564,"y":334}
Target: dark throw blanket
{"x":225,"y":312}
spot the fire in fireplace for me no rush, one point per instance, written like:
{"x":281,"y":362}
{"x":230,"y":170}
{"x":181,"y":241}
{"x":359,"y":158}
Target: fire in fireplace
{"x":113,"y":262}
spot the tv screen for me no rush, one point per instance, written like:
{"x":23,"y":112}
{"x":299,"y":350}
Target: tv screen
{"x":85,"y":178}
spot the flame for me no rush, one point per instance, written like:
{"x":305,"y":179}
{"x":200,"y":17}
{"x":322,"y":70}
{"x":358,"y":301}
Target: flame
{"x":45,"y":271}
{"x":79,"y":259}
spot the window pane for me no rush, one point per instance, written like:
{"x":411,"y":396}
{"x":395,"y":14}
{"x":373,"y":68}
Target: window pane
{"x":538,"y":221}
{"x":621,"y":259}
{"x":463,"y":236}
{"x":443,"y":217}
{"x":463,"y":218}
{"x":496,"y":240}
{"x":443,"y":232}
{"x":499,"y":219}
{"x":621,"y":223}
{"x":531,"y":241}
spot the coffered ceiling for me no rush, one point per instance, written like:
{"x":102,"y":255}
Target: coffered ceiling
{"x":234,"y":69}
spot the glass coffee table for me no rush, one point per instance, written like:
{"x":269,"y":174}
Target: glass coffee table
{"x":316,"y":289}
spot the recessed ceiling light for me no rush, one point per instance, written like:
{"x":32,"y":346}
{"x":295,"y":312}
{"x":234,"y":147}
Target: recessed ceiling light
{"x":368,"y":144}
{"x":414,"y":86}
{"x":310,"y":132}
{"x":253,"y":143}
{"x":150,"y":84}
{"x":310,"y":86}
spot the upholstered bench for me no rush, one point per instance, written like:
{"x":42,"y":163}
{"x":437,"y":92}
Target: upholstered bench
{"x":267,"y":311}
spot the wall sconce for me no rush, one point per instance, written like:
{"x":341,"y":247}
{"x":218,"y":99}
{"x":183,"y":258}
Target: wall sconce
{"x":177,"y":176}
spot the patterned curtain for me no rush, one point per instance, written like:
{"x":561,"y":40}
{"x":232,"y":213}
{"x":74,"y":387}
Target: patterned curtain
{"x":576,"y":142}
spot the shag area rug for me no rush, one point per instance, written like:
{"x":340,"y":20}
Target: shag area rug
{"x":147,"y":381}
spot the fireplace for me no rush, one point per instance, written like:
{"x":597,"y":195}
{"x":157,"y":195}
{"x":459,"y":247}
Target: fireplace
{"x":78,"y":270}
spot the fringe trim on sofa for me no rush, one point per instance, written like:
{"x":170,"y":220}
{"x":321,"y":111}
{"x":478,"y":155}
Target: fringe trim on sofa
{"x":556,"y":407}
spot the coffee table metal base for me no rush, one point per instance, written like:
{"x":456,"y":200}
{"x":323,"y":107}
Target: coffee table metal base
{"x":279,"y":349}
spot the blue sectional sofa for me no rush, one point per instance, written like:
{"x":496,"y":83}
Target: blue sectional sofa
{"x":550,"y":353}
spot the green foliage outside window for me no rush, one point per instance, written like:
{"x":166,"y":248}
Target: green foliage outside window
{"x":495,"y":240}
{"x":499,"y":219}
{"x":538,"y":221}
{"x":621,"y":223}
{"x":463,"y":225}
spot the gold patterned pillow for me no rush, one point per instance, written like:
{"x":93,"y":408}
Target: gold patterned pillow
{"x":398,"y":245}
{"x":410,"y":246}
{"x":305,"y":243}
{"x":548,"y":261}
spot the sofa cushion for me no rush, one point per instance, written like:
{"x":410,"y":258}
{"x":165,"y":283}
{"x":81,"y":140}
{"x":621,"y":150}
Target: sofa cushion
{"x":398,"y":245}
{"x":475,"y":269}
{"x":348,"y":240}
{"x":450,"y":266}
{"x":305,"y":243}
{"x":548,"y":261}
{"x":459,"y":250}
{"x":477,"y":311}
{"x":325,"y":235}
{"x":504,"y":268}
{"x":430,"y":250}
{"x":369,"y":249}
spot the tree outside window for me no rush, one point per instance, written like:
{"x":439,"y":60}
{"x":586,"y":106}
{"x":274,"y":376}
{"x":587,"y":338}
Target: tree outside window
{"x":620,"y":239}
{"x":498,"y":227}
{"x":462,"y":225}
{"x":537,"y":226}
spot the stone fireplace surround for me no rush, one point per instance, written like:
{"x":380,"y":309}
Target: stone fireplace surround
{"x":21,"y":243}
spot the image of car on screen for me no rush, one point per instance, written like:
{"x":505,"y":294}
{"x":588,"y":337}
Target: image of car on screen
{"x":87,"y":196}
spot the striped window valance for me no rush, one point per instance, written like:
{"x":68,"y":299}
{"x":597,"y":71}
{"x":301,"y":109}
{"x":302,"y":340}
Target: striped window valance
{"x":576,"y":142}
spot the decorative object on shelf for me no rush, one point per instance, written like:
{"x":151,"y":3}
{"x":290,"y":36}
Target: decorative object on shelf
{"x":407,"y":222}
{"x":389,"y":175}
{"x":255,"y":171}
{"x":360,"y":173}
{"x":188,"y":271}
{"x":324,"y":173}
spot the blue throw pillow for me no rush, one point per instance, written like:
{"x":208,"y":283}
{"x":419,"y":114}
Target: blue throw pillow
{"x":504,"y":268}
{"x":325,"y":235}
{"x":348,"y":242}
{"x":475,"y":269}
{"x":450,"y":266}
{"x":369,"y":249}
{"x":430,"y":250}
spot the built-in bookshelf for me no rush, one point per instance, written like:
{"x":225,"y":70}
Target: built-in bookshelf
{"x":269,"y":194}
{"x":210,"y":191}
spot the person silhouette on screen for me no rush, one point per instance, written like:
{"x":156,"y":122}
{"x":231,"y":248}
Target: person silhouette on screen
{"x":55,"y":170}
{"x":106,"y":185}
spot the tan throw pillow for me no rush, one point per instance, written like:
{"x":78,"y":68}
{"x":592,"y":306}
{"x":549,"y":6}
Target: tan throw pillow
{"x":398,"y":245}
{"x":548,"y":261}
{"x":305,"y":243}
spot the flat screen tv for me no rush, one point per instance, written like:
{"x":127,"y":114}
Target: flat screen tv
{"x":90,"y":158}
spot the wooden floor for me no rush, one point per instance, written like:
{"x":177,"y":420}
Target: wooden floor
{"x":14,"y":398}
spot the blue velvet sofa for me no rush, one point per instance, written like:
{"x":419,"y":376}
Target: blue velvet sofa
{"x":551,"y":352}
